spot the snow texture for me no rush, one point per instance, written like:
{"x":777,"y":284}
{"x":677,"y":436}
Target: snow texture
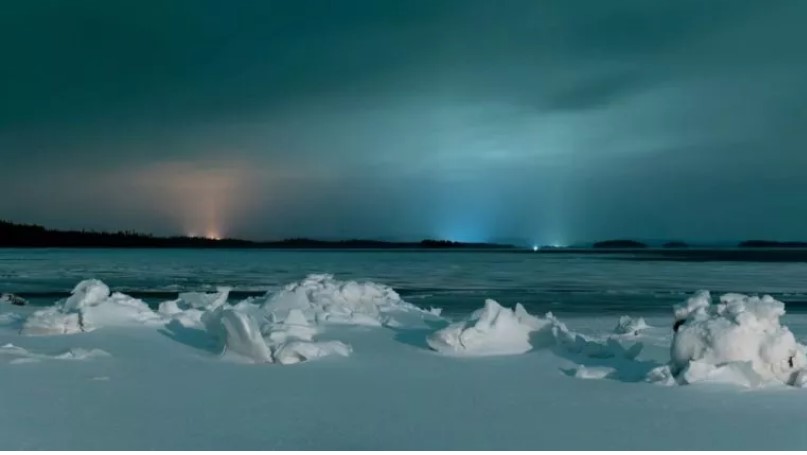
{"x":737,"y":340}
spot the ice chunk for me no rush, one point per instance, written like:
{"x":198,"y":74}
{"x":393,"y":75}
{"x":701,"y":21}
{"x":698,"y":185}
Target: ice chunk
{"x":195,"y":300}
{"x":737,"y":340}
{"x":661,"y":375}
{"x":119,"y":309}
{"x":741,"y":373}
{"x":85,"y":294}
{"x":294,"y":327}
{"x":12,"y":299}
{"x":90,"y":306}
{"x":492,"y":330}
{"x":300,"y":351}
{"x":630,"y":326}
{"x":324,"y":300}
{"x":237,"y":333}
{"x":53,"y":321}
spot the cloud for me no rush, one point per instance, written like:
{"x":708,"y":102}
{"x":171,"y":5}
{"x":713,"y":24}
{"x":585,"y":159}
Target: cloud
{"x":577,"y":118}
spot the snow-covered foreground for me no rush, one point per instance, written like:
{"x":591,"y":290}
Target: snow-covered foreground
{"x":324,"y":364}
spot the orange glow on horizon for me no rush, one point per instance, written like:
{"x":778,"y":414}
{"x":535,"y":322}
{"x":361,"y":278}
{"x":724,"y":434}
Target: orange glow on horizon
{"x":203,"y":198}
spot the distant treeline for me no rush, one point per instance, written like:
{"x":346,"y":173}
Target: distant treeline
{"x":619,"y":244}
{"x":34,"y":236}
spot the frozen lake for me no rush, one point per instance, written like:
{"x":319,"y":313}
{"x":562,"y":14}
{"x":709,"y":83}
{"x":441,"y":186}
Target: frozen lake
{"x":458,"y":281}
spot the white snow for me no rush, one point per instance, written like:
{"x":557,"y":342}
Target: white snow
{"x":584,"y":372}
{"x":737,"y":340}
{"x":382,"y":387}
{"x":325,"y":300}
{"x":89,"y":307}
{"x":195,"y":300}
{"x":237,"y":333}
{"x":300,"y":351}
{"x":52,"y":321}
{"x":491,"y":330}
{"x":20,"y":355}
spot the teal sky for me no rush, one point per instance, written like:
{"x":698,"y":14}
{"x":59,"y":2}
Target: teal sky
{"x":548,"y":121}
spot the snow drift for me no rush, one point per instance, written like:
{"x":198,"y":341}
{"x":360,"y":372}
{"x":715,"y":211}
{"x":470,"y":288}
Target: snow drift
{"x":495,"y":330}
{"x":737,"y":340}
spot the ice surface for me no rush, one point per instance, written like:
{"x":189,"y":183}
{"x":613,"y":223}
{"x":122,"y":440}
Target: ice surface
{"x":737,"y":340}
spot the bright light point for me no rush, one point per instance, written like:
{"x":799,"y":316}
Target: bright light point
{"x":212,"y":235}
{"x":535,"y":248}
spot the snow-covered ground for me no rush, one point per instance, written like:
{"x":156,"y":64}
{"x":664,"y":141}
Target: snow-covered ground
{"x":323,"y":363}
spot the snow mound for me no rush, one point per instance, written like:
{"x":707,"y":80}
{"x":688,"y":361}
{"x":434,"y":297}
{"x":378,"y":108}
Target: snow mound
{"x":492,"y":330}
{"x":630,"y":326}
{"x":555,"y":334}
{"x":495,"y":330}
{"x":89,"y":307}
{"x":737,"y":340}
{"x":324,"y":300}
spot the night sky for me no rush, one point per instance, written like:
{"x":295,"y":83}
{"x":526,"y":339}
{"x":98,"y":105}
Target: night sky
{"x":548,"y":121}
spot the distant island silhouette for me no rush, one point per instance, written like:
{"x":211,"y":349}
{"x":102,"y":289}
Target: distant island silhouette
{"x":14,"y":235}
{"x":619,"y":244}
{"x":771,"y":244}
